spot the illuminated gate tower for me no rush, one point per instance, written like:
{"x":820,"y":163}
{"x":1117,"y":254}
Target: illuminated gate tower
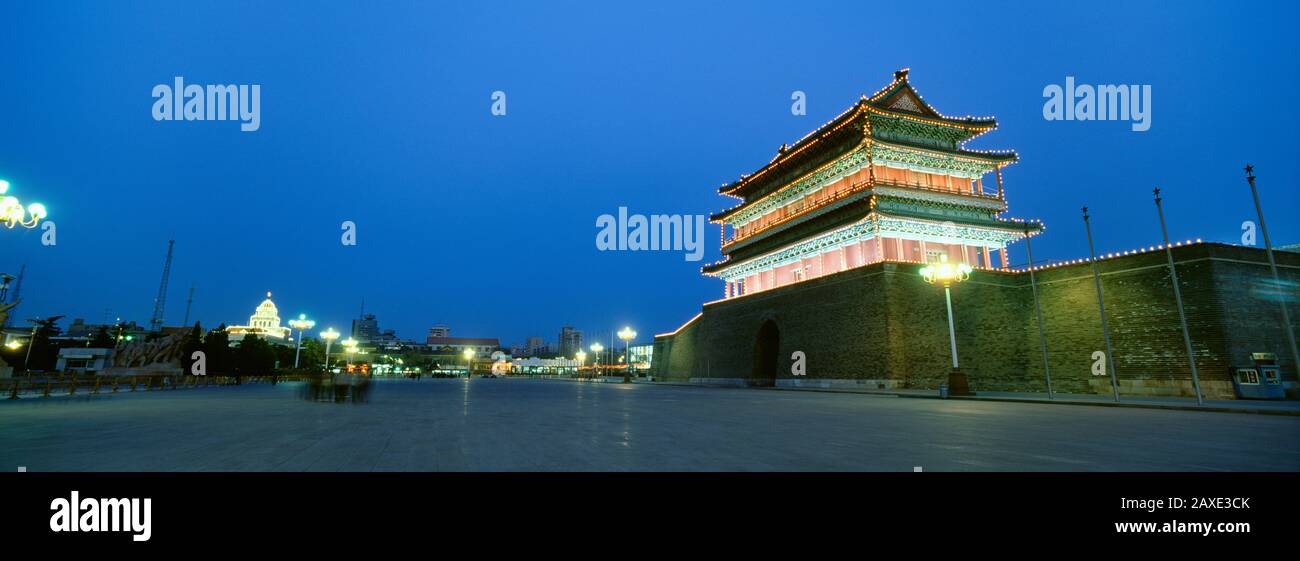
{"x":887,"y":180}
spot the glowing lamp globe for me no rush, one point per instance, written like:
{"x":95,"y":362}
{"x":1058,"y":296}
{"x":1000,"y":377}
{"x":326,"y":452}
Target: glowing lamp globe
{"x":945,"y":273}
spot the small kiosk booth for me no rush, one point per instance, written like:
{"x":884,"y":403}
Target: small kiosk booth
{"x":1263,"y":380}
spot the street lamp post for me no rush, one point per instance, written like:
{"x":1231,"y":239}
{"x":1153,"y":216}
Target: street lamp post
{"x":117,"y":341}
{"x":301,"y":324}
{"x":31,"y":344}
{"x":349,"y":347}
{"x":582,"y":360}
{"x":329,"y":335}
{"x":1038,"y":311}
{"x":1272,"y":265}
{"x":1178,"y":299}
{"x":595,"y":352}
{"x":469,"y":363}
{"x":627,"y":335}
{"x":945,"y":274}
{"x":1101,"y":308}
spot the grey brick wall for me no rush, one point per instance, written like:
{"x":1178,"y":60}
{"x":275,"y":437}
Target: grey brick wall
{"x":882,"y":326}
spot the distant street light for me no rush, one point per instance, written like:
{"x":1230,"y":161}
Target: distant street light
{"x":469,"y":362}
{"x":118,"y":341}
{"x":945,"y":273}
{"x":301,"y":324}
{"x":582,"y":361}
{"x":627,"y":335}
{"x":349,"y":347}
{"x":329,"y":335}
{"x":595,"y":351}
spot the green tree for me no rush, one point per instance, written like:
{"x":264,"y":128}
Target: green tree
{"x":283,"y":355}
{"x":254,"y":357}
{"x":43,"y":354}
{"x":313,"y":354}
{"x":101,"y":339}
{"x":217,"y":348}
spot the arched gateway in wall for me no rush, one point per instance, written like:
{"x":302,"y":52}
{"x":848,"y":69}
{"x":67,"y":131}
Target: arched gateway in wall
{"x":767,"y":349}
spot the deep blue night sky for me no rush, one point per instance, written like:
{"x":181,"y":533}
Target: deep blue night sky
{"x":379,"y":113}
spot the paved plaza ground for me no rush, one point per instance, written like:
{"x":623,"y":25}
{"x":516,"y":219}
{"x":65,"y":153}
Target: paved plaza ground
{"x":522,"y":424}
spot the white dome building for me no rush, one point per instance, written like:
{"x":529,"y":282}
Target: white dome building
{"x":265,"y":323}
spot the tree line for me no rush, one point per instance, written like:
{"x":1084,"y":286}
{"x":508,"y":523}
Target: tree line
{"x":251,"y":356}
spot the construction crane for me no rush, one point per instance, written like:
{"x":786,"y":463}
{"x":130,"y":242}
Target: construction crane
{"x":188,"y":303}
{"x":155,"y":323}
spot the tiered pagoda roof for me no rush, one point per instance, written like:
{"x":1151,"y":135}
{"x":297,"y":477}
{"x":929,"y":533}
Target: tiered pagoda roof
{"x":894,"y":127}
{"x":898,"y":103}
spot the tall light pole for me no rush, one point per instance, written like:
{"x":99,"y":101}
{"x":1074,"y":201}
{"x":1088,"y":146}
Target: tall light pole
{"x":469,"y":362}
{"x":1178,"y":298}
{"x":595,"y":351}
{"x":301,"y":324}
{"x":1038,"y":309}
{"x":1101,"y":307}
{"x":31,"y":344}
{"x":1272,"y":265}
{"x":582,"y":361}
{"x":329,"y":335}
{"x":627,"y":335}
{"x":945,"y":274}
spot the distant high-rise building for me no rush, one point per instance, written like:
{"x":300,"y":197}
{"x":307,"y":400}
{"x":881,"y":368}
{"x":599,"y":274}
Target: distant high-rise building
{"x":532,"y":346}
{"x":570,"y":341}
{"x":535,"y":346}
{"x":365,"y":329}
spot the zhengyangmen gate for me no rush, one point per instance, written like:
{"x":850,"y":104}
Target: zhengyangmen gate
{"x":822,"y":253}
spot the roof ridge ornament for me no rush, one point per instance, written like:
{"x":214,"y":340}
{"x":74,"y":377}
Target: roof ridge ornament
{"x":901,"y":74}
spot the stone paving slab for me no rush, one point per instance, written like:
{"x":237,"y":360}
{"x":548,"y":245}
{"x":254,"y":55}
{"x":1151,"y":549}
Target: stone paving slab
{"x":535,"y":425}
{"x":1254,"y":406}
